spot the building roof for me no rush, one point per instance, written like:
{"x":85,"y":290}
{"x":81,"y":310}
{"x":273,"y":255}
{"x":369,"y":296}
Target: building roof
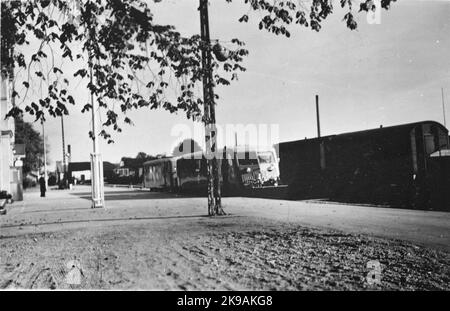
{"x":86,"y":166}
{"x":382,"y":131}
{"x":132,"y":163}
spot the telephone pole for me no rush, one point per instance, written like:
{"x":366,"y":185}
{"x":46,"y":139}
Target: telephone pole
{"x":45,"y":156}
{"x":98,"y":197}
{"x":97,"y":184}
{"x":443,"y":106}
{"x":64,"y":150}
{"x":209,"y":118}
{"x":321,"y":146}
{"x":443,"y":111}
{"x":96,"y":163}
{"x":318,"y":116}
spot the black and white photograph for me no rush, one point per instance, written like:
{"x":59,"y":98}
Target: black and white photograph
{"x":235,"y":148}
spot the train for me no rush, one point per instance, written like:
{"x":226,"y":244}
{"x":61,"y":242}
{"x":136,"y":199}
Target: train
{"x":400,"y":166}
{"x":240,"y":168}
{"x":160,"y":174}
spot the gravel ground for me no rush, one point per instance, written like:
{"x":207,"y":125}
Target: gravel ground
{"x":160,"y":241}
{"x":229,"y":253}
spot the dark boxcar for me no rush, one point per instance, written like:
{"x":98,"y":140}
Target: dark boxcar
{"x":388,"y":166}
{"x":439,"y":166}
{"x":191,"y":171}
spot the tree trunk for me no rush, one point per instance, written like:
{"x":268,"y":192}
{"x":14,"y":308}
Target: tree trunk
{"x":209,"y":118}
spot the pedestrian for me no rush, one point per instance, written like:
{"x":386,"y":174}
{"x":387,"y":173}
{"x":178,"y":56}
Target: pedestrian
{"x":42,"y":185}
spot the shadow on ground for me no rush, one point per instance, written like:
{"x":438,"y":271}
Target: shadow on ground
{"x":135,"y":195}
{"x":59,"y":222}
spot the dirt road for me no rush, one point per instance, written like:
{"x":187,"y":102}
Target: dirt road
{"x":160,"y":241}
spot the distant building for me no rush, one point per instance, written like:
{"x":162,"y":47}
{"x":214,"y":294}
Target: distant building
{"x":6,"y":137}
{"x":130,"y":170}
{"x":129,"y":167}
{"x":11,"y":154}
{"x":81,"y":171}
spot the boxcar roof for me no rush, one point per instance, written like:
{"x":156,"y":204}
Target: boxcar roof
{"x":241,"y":148}
{"x":382,"y":131}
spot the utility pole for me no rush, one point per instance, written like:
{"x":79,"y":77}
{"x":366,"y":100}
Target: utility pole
{"x":443,"y":106}
{"x":98,"y":195}
{"x":96,"y":158}
{"x":64,"y":150}
{"x":209,"y":118}
{"x":96,"y":162}
{"x":443,"y":111}
{"x":321,"y":143}
{"x":69,"y":154}
{"x":318,"y":116}
{"x":45,"y":156}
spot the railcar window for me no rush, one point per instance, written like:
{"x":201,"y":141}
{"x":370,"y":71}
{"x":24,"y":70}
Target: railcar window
{"x":443,"y":139}
{"x":248,"y":161}
{"x":430,"y":146}
{"x":197,"y":165}
{"x":203,"y":166}
{"x":247,"y":158}
{"x":265,"y":157}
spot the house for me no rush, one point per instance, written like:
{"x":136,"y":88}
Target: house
{"x":130,"y":170}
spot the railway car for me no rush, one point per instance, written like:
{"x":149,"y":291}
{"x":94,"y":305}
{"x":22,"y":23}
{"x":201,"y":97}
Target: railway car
{"x":388,"y":166}
{"x":160,"y":174}
{"x":258,"y":166}
{"x":239,"y":167}
{"x":191,"y":171}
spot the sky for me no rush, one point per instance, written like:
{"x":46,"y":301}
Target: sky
{"x":381,"y":74}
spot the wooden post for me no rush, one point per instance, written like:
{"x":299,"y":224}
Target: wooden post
{"x":318,"y":115}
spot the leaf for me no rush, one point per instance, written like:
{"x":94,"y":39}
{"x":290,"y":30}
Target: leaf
{"x":128,"y":121}
{"x":44,"y":3}
{"x":71,"y":100}
{"x":66,"y":53}
{"x":81,"y":72}
{"x":39,"y":34}
{"x":86,"y":107}
{"x":244,"y":18}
